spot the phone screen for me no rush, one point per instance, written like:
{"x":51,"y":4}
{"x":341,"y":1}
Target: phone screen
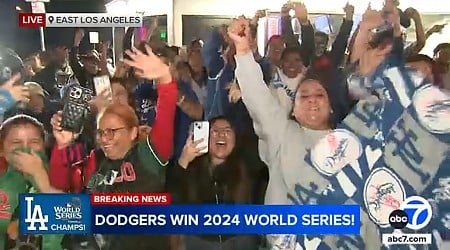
{"x":103,"y":85}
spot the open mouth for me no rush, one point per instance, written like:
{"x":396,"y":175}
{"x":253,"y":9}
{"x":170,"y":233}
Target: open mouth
{"x":221,"y":143}
{"x":292,"y":70}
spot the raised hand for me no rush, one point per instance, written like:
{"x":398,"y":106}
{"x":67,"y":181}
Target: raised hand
{"x":18,"y":92}
{"x":301,"y":12}
{"x":63,"y":137}
{"x":102,"y":100}
{"x":239,"y":33}
{"x":190,"y":151}
{"x":286,"y":8}
{"x":437,"y":28}
{"x":259,"y":14}
{"x":104,"y":46}
{"x":148,"y":66}
{"x":372,"y":58}
{"x":371,"y":20}
{"x":412,"y":13}
{"x":349,"y":11}
{"x":79,"y":35}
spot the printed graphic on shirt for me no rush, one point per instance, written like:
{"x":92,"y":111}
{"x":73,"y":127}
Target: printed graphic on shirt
{"x":126,"y":174}
{"x":146,"y":111}
{"x":335,"y":151}
{"x":5,"y":208}
{"x":400,"y":142}
{"x":383,"y":193}
{"x":433,"y":109}
{"x":278,"y":83}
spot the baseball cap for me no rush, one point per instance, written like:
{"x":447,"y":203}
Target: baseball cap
{"x":35,"y":89}
{"x":92,"y":54}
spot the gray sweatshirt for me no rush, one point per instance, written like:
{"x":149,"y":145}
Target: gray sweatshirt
{"x":307,"y":166}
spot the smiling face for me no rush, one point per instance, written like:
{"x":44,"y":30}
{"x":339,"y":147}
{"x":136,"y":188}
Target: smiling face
{"x":222,"y":139}
{"x":312,"y":107}
{"x":22,"y":136}
{"x":275,"y":49}
{"x":292,"y":64}
{"x":115,"y":136}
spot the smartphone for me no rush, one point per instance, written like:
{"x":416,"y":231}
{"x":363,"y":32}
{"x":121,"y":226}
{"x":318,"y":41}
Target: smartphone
{"x":200,"y":130}
{"x":102,"y":84}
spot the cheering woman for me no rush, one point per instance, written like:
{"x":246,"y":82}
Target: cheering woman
{"x":122,"y":164}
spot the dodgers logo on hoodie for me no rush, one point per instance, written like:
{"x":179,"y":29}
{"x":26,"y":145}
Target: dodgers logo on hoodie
{"x":383,"y":193}
{"x":336,"y":150}
{"x":433,"y":109}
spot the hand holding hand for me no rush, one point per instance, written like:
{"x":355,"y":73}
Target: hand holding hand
{"x":63,"y":137}
{"x":239,"y":33}
{"x":190,"y":152}
{"x":18,"y":92}
{"x":148,"y":66}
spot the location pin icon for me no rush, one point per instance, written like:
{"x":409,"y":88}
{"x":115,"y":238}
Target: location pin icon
{"x":50,"y":19}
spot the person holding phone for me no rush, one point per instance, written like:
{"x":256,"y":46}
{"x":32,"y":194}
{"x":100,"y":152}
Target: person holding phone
{"x":213,"y":172}
{"x":140,"y":164}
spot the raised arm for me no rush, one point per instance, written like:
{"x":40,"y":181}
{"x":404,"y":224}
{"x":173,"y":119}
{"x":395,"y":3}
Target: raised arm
{"x":418,"y":45}
{"x":212,"y":52}
{"x":74,"y":61}
{"x":341,"y":41}
{"x":151,"y":67}
{"x":10,"y":94}
{"x":269,"y":120}
{"x":290,"y":39}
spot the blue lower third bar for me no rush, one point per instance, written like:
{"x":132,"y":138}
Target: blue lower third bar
{"x":226,"y":219}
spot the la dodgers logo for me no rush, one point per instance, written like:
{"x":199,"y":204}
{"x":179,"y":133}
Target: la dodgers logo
{"x":35,"y":216}
{"x":433,"y":108}
{"x":336,"y":150}
{"x":383,"y":193}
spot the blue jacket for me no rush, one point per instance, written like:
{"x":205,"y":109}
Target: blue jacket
{"x":220,"y":75}
{"x":182,"y":120}
{"x":146,"y":97}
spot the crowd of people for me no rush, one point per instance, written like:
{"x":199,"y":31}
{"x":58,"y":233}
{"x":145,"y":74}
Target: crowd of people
{"x":305,"y":123}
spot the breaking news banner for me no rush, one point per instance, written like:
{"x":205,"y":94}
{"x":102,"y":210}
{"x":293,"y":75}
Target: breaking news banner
{"x":64,"y":20}
{"x":153,"y":214}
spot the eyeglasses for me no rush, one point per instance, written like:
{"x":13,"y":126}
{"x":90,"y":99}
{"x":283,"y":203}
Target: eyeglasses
{"x":108,"y":133}
{"x":221,"y":132}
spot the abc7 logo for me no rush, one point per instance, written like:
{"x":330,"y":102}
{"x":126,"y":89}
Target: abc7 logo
{"x":415,"y":213}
